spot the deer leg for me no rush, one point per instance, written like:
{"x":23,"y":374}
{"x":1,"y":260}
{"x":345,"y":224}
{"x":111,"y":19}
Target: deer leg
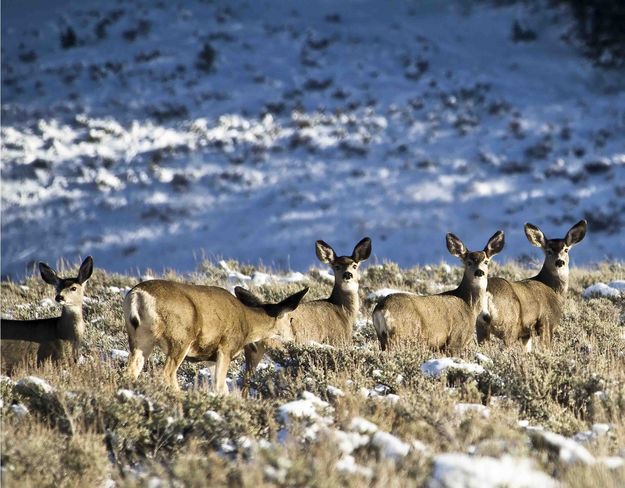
{"x":253,"y":355}
{"x":175,"y":356}
{"x":221,"y":370}
{"x":384,"y":345}
{"x":140,"y":350}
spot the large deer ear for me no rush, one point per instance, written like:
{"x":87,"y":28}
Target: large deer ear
{"x":325,"y":253}
{"x":455,"y":246}
{"x":247,"y":298}
{"x":535,"y":235}
{"x":362,"y":250}
{"x":86,"y":268}
{"x":48,"y":274}
{"x":495,"y":244}
{"x":576,"y":233}
{"x":287,"y":305}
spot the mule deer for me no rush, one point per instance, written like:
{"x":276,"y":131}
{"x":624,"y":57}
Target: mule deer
{"x":447,"y":320}
{"x":57,"y":338}
{"x":520,"y":309}
{"x":200,"y":323}
{"x":330,"y":320}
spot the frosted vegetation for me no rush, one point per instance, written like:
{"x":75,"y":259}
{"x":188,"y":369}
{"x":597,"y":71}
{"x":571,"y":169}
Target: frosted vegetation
{"x":491,"y":417}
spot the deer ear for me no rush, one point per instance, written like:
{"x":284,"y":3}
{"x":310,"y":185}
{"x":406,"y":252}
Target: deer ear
{"x":247,"y":298}
{"x":48,"y":274}
{"x":86,"y":269}
{"x":495,"y":244}
{"x":287,"y":305}
{"x":576,"y":233}
{"x":455,"y":246}
{"x":362,"y":250}
{"x":535,"y":235}
{"x":325,"y":253}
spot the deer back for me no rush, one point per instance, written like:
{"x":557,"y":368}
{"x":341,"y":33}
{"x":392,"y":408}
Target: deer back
{"x":322,"y":321}
{"x":440,"y":320}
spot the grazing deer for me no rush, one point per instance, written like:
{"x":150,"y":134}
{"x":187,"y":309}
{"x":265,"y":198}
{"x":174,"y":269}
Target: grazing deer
{"x":57,"y":338}
{"x":332,"y":319}
{"x":520,"y":309}
{"x":200,"y":323}
{"x":447,"y":320}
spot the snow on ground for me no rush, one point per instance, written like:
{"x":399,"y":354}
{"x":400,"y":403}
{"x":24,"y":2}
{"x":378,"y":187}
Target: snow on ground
{"x":435,"y":367}
{"x":569,"y":451}
{"x":453,"y":470}
{"x":36,"y":384}
{"x":613,"y":289}
{"x":321,"y":121}
{"x":472,"y":408}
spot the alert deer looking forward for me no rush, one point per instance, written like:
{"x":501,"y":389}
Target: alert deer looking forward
{"x":332,"y":319}
{"x":57,"y":338}
{"x":200,"y":323}
{"x":444,"y":321}
{"x":520,"y":309}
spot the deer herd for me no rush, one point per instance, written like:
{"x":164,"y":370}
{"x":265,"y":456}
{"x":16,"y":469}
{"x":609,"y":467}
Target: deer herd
{"x":208,"y":323}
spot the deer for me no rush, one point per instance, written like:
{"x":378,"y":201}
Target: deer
{"x":330,"y":320}
{"x":199,"y":323}
{"x":56,"y":338}
{"x":445,"y":321}
{"x":519,"y":310}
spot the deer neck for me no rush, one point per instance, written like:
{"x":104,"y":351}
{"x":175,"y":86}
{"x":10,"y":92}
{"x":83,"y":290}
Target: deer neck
{"x":558,"y":281}
{"x":259,"y":325}
{"x":473,"y":292}
{"x":71,"y":325}
{"x":346,"y":299}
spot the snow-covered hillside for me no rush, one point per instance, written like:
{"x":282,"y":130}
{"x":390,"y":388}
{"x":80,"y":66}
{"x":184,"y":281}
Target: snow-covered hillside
{"x":165,"y":132}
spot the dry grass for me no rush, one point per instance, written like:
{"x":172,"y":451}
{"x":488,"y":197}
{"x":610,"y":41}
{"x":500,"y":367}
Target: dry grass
{"x":158,"y":434}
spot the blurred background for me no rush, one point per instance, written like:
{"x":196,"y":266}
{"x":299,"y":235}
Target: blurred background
{"x":158,"y":134}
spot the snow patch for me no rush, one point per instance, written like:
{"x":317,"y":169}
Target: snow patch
{"x":603,"y":290}
{"x":454,"y":470}
{"x":389,"y":445}
{"x":469,"y":408}
{"x":435,"y":367}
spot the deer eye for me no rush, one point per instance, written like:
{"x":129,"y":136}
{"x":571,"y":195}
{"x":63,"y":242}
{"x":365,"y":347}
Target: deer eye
{"x":354,"y":266}
{"x":74,"y":288}
{"x":566,"y":251}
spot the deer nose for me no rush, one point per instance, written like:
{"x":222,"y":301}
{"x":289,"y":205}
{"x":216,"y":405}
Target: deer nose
{"x":479,"y":273}
{"x":58,"y":298}
{"x":347,"y":275}
{"x":559,"y":263}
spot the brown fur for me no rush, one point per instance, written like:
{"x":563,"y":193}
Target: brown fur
{"x":445,"y":321}
{"x":518,"y":310}
{"x":57,"y":338}
{"x":201,"y":323}
{"x":330,"y":320}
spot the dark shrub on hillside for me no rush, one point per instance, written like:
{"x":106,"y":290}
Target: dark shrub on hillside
{"x":206,"y":58}
{"x":601,"y":24}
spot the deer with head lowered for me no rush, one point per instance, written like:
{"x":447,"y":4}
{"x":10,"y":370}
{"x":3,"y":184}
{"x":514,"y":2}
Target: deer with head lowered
{"x":521,"y":309}
{"x":445,"y":321}
{"x":330,"y":320}
{"x":56,"y":338}
{"x":199,"y":323}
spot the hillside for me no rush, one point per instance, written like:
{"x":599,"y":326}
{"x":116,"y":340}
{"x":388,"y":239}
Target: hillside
{"x":158,"y":135}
